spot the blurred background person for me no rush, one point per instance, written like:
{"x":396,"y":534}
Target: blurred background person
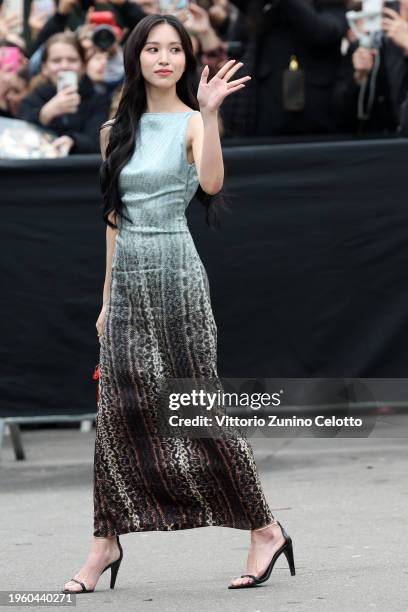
{"x":71,"y":15}
{"x":39,"y":13}
{"x":5,"y":83}
{"x":73,"y":112}
{"x":9,"y":24}
{"x":96,"y":63}
{"x":208,"y":47}
{"x":12,"y":60}
{"x":17,"y":90}
{"x":292,"y":50}
{"x":149,"y":7}
{"x":101,"y":33}
{"x":373,"y":82}
{"x":100,"y":29}
{"x":219,"y":13}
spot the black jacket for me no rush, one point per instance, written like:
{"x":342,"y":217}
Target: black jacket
{"x":83,"y":126}
{"x":313,"y":32}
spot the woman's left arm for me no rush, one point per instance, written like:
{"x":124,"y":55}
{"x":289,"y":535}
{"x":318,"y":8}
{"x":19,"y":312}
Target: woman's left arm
{"x":207,"y":151}
{"x":206,"y":142}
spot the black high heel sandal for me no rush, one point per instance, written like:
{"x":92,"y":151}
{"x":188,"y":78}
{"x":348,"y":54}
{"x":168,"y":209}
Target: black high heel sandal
{"x":114,"y":572}
{"x":286,"y":549}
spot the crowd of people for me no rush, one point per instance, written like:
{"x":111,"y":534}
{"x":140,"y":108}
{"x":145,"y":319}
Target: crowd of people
{"x":310,"y":74}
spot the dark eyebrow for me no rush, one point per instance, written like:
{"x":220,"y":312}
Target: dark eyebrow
{"x":175,"y":42}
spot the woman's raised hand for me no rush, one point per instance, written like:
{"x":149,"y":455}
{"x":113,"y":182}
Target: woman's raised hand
{"x":210,"y":95}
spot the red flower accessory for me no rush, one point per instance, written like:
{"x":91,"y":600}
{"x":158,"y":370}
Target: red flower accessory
{"x":96,"y":376}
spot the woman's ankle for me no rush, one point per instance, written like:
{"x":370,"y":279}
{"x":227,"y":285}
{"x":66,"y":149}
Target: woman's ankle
{"x":104,"y":543}
{"x":274,"y":523}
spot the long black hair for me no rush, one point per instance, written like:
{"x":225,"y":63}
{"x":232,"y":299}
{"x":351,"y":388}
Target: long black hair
{"x":132,"y":104}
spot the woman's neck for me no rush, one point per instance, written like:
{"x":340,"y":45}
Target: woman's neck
{"x":157,"y":102}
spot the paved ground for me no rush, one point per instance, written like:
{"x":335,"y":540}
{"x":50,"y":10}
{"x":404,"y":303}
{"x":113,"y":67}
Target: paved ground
{"x":344,"y":502}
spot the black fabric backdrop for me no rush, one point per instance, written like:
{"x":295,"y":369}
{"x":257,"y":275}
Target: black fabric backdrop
{"x":309,"y":275}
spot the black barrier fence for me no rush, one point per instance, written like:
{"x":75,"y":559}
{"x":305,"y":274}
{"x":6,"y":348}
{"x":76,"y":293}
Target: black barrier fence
{"x":308,"y":277}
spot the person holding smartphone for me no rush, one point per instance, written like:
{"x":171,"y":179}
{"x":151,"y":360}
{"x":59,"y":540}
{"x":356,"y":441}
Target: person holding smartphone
{"x":372,"y":83}
{"x":65,"y":99}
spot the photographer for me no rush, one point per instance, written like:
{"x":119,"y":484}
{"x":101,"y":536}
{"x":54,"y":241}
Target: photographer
{"x":101,"y":34}
{"x":292,"y":49}
{"x":74,"y":113}
{"x":372,"y":83}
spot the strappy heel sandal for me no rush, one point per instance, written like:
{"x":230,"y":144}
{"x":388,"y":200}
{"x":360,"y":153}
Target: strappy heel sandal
{"x":114,"y":572}
{"x":286,"y":549}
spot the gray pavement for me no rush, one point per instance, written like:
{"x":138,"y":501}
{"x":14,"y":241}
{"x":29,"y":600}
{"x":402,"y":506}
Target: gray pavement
{"x":344,"y":501}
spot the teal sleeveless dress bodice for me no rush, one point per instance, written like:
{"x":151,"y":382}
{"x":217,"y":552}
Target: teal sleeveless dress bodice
{"x":159,"y":325}
{"x":156,"y":202}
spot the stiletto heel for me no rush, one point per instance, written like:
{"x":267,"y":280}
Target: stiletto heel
{"x":286,"y":548}
{"x":288,"y":552}
{"x":114,"y":566}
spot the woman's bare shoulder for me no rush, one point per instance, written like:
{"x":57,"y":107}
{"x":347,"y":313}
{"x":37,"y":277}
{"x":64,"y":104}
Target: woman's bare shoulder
{"x":195,"y":123}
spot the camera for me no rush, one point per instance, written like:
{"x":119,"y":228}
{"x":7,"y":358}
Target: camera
{"x":104,"y":35}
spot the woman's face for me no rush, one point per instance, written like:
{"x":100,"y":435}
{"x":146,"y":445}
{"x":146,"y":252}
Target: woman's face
{"x":96,"y":66}
{"x":18,"y":90}
{"x":61,"y":56}
{"x":162,"y":50}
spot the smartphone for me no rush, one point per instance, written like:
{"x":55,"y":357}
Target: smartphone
{"x":372,"y":10}
{"x":168,"y":4}
{"x":15,"y":8}
{"x":43,"y":8}
{"x":10,"y":58}
{"x":67,"y":78}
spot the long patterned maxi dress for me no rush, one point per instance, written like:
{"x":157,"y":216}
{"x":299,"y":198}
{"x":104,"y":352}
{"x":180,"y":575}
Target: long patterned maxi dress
{"x":159,"y":323}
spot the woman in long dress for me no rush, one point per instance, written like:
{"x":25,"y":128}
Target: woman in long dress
{"x":156,"y":322}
